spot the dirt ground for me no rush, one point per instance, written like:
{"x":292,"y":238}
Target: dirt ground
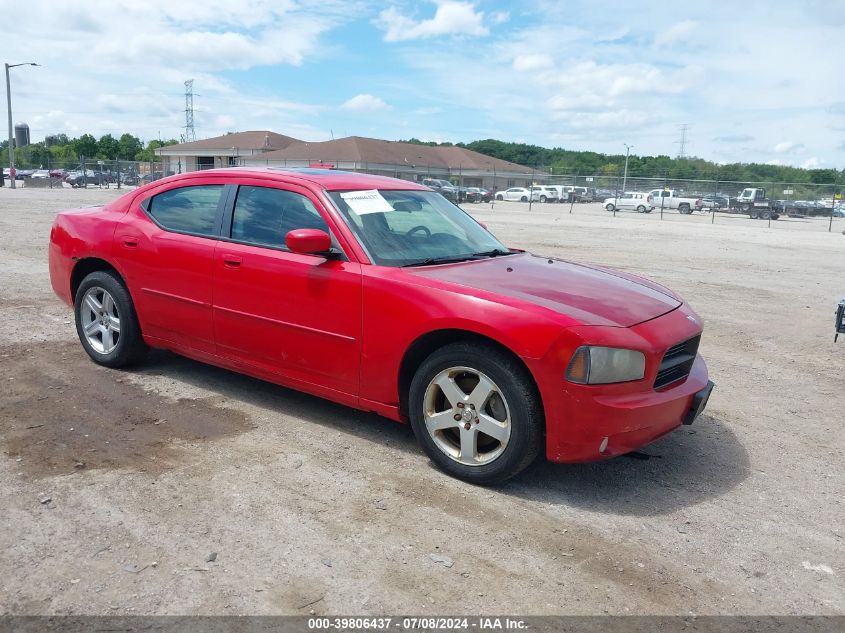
{"x":117,"y":487}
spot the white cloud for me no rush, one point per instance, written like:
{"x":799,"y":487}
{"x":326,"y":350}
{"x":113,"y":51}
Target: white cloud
{"x":451,"y":18}
{"x":365,"y":103}
{"x":678,"y":32}
{"x":812,"y":163}
{"x":788,"y":146}
{"x":532,"y":61}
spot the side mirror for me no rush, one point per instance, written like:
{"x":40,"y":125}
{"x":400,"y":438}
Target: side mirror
{"x":308,"y":241}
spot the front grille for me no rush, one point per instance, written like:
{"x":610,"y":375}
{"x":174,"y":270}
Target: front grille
{"x":677,"y":362}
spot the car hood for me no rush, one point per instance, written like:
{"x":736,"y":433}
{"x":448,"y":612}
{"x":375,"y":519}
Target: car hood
{"x":592,"y":296}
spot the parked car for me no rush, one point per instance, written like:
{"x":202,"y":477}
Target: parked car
{"x":443,"y":187}
{"x":380,"y":295}
{"x":40,"y":174}
{"x":583,"y":194}
{"x":838,"y":211}
{"x":482,"y":194}
{"x":640,"y":201}
{"x":673,"y":199}
{"x":548,"y":193}
{"x":715,"y":201}
{"x":603,"y":194}
{"x":518,"y":194}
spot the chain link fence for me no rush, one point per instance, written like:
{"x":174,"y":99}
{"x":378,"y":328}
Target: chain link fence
{"x":86,"y":173}
{"x":813,"y":205}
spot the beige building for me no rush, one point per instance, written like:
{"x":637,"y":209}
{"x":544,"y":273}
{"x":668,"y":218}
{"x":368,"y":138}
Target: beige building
{"x":221,"y":151}
{"x":353,"y":153}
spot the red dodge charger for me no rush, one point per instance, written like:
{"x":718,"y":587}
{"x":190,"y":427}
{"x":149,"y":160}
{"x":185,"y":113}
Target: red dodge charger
{"x":382,"y":295}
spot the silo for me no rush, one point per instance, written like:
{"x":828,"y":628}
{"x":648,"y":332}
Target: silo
{"x":21,"y":134}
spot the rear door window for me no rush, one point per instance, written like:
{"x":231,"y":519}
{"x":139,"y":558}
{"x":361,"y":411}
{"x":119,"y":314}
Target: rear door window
{"x":187,"y":209}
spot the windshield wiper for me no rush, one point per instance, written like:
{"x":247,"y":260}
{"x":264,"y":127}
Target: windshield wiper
{"x":496,"y":252}
{"x":430,"y":261}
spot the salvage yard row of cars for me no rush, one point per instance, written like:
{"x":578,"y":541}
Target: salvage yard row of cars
{"x":91,"y":177}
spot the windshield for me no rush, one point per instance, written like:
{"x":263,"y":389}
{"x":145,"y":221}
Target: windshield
{"x":407,"y":228}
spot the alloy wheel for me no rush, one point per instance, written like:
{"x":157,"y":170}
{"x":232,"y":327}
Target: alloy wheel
{"x":467,"y":416}
{"x":100,"y":320}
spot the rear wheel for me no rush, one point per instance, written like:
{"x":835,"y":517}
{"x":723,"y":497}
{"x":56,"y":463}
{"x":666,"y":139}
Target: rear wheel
{"x":685,"y":209}
{"x":754,"y":214}
{"x":765,"y":215}
{"x":476,"y":413}
{"x":499,"y":197}
{"x":609,"y":206}
{"x":543,"y":199}
{"x":641,"y":209}
{"x":106,"y":321}
{"x":523,"y":199}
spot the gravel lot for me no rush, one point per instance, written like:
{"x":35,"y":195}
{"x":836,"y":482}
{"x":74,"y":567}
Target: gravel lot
{"x":313,"y":507}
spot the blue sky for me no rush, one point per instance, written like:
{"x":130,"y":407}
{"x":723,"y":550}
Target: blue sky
{"x":757,"y":81}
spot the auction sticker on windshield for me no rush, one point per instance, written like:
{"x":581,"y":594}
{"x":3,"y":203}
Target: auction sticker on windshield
{"x":368,"y":201}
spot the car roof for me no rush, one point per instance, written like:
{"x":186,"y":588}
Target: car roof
{"x":329,"y":179}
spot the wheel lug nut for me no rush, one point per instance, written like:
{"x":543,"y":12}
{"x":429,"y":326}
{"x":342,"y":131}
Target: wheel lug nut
{"x":467,"y":426}
{"x":460,"y":405}
{"x":457,"y":416}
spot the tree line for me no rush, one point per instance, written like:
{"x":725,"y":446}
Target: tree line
{"x":63,"y":150}
{"x":570,"y":162}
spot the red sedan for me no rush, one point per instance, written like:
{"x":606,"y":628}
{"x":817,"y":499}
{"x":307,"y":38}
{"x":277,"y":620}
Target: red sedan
{"x":382,"y":295}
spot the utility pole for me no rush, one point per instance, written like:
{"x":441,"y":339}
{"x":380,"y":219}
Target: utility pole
{"x":190,"y":134}
{"x":625,"y":177}
{"x":11,"y":132}
{"x":682,"y":144}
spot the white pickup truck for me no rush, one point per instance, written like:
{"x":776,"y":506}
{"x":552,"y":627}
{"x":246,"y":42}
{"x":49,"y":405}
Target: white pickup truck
{"x":672,"y":199}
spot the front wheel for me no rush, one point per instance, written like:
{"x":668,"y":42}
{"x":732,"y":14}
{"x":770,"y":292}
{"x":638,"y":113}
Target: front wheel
{"x":684,"y":209}
{"x":765,"y":214}
{"x":476,"y":413}
{"x":499,"y":197}
{"x":609,"y":207}
{"x":523,"y":199}
{"x":543,"y":199}
{"x":106,"y":321}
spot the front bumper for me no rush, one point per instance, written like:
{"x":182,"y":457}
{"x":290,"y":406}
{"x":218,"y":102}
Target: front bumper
{"x":592,"y":422}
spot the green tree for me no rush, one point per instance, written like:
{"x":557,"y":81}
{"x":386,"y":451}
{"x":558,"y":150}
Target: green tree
{"x":148,"y":154}
{"x":107,"y":147}
{"x":85,"y":145}
{"x":128,"y":146}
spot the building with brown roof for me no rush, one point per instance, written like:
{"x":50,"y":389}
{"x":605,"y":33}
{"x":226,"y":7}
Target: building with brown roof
{"x":410,"y":161}
{"x":222,"y":151}
{"x":400,"y":160}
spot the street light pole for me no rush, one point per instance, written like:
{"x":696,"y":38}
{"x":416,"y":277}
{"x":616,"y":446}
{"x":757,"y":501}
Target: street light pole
{"x":625,"y":177}
{"x":9,"y":107}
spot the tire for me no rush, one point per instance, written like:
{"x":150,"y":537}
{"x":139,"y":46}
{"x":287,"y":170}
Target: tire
{"x":684,"y":209}
{"x":499,"y":197}
{"x":511,"y":408}
{"x":543,"y":199}
{"x":775,"y":216}
{"x":610,"y":207}
{"x":106,"y":322}
{"x":523,"y":199}
{"x":765,"y":215}
{"x":641,"y":209}
{"x":754,"y":214}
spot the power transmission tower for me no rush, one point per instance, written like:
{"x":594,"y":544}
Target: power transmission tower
{"x":190,"y":135}
{"x":682,"y":144}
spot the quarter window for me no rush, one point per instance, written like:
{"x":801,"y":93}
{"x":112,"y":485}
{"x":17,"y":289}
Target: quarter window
{"x":264,"y":216}
{"x":187,"y":209}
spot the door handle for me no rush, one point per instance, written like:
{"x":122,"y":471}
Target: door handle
{"x":231,"y":261}
{"x":130,"y":242}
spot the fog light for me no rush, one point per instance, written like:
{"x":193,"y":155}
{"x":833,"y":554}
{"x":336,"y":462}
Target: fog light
{"x":603,"y":445}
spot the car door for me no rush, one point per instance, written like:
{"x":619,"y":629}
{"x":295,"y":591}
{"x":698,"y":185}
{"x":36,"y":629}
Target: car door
{"x":165,"y":250}
{"x":285,"y":313}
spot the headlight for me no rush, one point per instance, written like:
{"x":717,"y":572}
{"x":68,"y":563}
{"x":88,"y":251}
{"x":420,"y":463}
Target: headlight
{"x":601,"y":365}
